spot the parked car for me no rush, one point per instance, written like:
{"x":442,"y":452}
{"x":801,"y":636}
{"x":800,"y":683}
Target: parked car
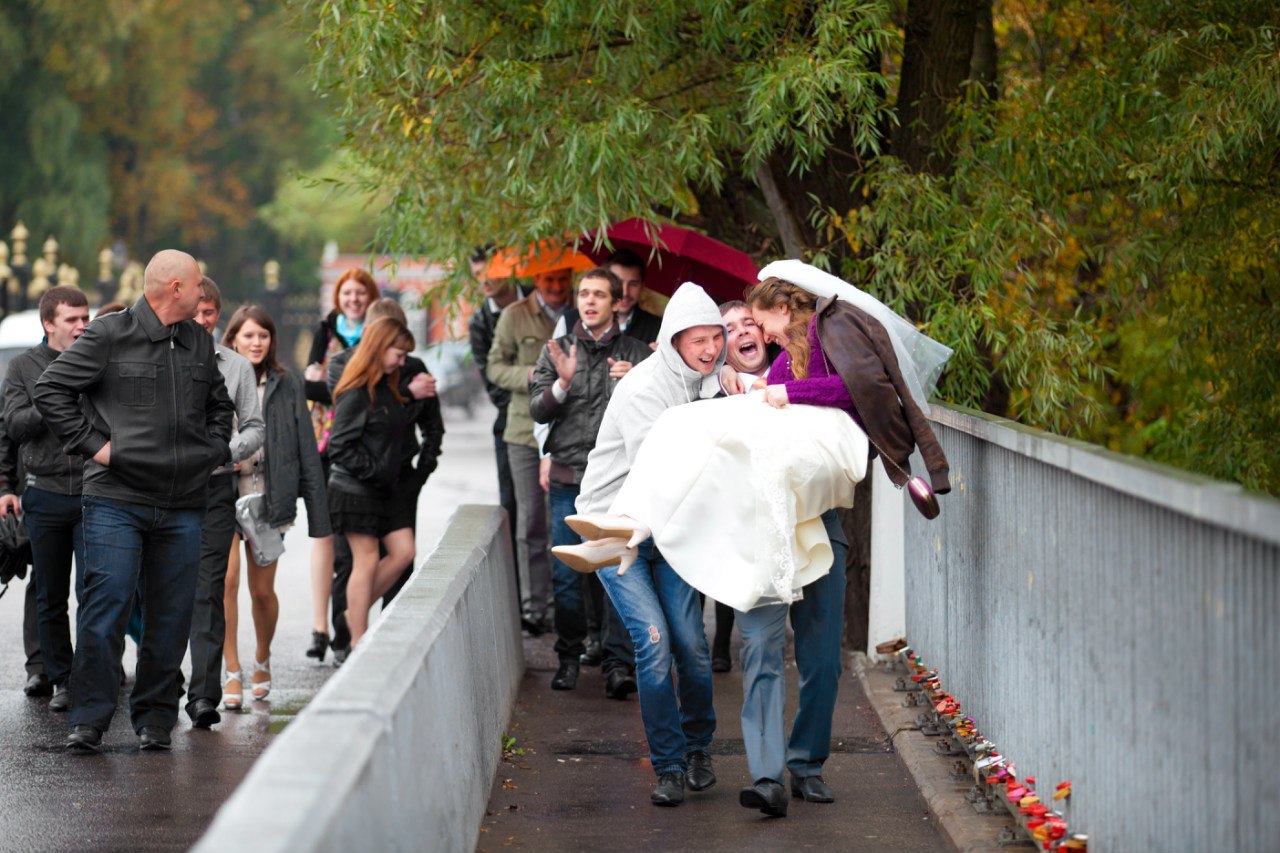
{"x":18,"y":333}
{"x":458,"y":382}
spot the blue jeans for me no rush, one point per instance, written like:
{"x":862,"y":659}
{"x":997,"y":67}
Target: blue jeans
{"x":568,"y":585}
{"x":817,"y":620}
{"x":662,"y":616}
{"x":127,"y":544}
{"x":57,"y":534}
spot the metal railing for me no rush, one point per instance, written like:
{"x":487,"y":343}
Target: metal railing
{"x":1108,"y":622}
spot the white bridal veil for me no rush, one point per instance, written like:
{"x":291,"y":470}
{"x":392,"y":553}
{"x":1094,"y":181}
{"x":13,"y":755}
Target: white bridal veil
{"x":920,"y":357}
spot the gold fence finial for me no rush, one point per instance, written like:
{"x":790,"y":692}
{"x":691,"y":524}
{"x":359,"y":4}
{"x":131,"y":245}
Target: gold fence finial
{"x":50,"y":250}
{"x":69,"y":275}
{"x":41,"y":269}
{"x":105,"y":257}
{"x":19,"y":235}
{"x":271,"y":272}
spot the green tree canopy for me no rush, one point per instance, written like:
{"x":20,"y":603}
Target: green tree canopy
{"x":1080,"y":198}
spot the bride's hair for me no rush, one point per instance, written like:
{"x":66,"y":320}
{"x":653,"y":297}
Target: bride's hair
{"x":773,"y":292}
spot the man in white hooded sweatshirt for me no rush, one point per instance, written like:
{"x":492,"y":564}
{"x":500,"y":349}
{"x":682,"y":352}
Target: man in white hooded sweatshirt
{"x":662,"y":612}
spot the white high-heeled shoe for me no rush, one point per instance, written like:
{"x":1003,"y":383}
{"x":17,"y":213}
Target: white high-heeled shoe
{"x":605,"y":526}
{"x":597,"y":554}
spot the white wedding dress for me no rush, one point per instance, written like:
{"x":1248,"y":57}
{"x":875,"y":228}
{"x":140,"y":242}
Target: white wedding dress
{"x":733,"y":490}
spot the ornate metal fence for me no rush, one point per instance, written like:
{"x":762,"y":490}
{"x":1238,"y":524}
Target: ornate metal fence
{"x":1111,"y":623}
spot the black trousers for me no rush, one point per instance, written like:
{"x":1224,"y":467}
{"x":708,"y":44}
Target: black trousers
{"x":208,"y":616}
{"x":57,"y":535}
{"x":31,"y":630}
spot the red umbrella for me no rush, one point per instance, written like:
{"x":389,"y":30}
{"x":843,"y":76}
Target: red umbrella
{"x":676,"y":255}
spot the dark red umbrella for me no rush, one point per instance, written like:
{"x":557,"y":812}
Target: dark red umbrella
{"x":676,"y":255}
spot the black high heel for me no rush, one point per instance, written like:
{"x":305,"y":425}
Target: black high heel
{"x":319,"y":645}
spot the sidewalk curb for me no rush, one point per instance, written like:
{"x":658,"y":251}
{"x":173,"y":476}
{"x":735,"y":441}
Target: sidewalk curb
{"x":968,"y":831}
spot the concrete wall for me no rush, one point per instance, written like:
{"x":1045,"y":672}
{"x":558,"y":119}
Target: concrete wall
{"x":398,"y":749}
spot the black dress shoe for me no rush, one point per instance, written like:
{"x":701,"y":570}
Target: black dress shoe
{"x":84,"y":739}
{"x":723,"y":664}
{"x":766,"y":795}
{"x":566,"y":677}
{"x":203,"y":714}
{"x":670,"y":790}
{"x":319,"y":645}
{"x":593,"y":654}
{"x":619,"y":684}
{"x":531,"y":625}
{"x":61,"y":701}
{"x":153,"y":738}
{"x":812,"y":789}
{"x":38,"y":685}
{"x":699,"y":776}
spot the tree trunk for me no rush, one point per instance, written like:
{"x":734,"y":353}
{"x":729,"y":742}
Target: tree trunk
{"x":936,"y":60}
{"x":790,"y":225}
{"x":984,"y":69}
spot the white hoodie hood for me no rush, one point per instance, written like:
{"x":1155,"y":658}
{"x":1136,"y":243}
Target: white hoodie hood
{"x":650,"y":388}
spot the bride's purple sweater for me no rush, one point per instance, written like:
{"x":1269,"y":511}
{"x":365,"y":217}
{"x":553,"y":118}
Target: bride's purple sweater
{"x":822,"y":388}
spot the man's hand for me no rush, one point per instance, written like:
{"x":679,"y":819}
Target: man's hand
{"x":103,"y":456}
{"x":422,"y":386}
{"x":618,"y":369}
{"x":566,"y":365}
{"x":730,"y":381}
{"x":8,"y":504}
{"x":776,"y":396}
{"x":314,"y":372}
{"x":544,"y":473}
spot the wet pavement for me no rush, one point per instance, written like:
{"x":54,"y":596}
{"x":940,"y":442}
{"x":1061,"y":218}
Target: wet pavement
{"x":577,"y":778}
{"x":126,"y":800}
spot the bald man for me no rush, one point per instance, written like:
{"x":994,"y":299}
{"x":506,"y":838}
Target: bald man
{"x":156,"y":421}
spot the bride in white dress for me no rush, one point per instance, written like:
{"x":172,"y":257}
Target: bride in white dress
{"x":732,"y":489}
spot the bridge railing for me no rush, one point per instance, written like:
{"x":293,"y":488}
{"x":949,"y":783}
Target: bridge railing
{"x":1107,"y":622}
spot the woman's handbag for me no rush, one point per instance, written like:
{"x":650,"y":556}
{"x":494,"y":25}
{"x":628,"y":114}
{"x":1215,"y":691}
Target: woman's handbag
{"x":264,"y":541}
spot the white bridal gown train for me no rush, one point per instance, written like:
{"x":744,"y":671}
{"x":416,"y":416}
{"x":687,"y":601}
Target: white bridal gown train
{"x":733,"y":490}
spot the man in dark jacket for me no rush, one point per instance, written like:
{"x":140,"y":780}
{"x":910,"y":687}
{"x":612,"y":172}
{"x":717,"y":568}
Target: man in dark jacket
{"x":157,"y":421}
{"x":498,"y":294}
{"x":571,"y":386}
{"x":208,"y":616}
{"x":51,"y":498}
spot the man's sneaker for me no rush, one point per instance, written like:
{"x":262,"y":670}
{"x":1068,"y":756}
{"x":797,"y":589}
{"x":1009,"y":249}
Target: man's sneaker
{"x":670,"y":790}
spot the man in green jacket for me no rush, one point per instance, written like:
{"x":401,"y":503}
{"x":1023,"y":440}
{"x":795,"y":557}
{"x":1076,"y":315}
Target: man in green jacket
{"x":523,"y":330}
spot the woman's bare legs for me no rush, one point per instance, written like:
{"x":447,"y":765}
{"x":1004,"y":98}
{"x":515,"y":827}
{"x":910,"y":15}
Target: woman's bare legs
{"x":266,"y":613}
{"x":321,"y":583}
{"x":230,"y":598}
{"x":400,"y":551}
{"x":360,"y":597}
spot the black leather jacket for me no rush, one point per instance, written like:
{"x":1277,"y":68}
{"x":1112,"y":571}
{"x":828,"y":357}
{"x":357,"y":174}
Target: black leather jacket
{"x":153,"y":391}
{"x":575,"y":421}
{"x":366,"y":447}
{"x":45,"y":464}
{"x":292,"y":465}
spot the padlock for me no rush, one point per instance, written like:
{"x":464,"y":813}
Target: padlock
{"x":1063,"y":791}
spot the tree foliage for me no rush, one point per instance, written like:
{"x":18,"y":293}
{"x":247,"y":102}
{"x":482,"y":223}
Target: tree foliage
{"x":159,"y":123}
{"x":1090,"y":220}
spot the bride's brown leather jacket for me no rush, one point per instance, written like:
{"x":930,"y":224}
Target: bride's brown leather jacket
{"x":859,"y":349}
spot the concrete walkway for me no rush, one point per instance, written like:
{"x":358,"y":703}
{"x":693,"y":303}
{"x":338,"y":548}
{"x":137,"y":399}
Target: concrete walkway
{"x":583,"y":780}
